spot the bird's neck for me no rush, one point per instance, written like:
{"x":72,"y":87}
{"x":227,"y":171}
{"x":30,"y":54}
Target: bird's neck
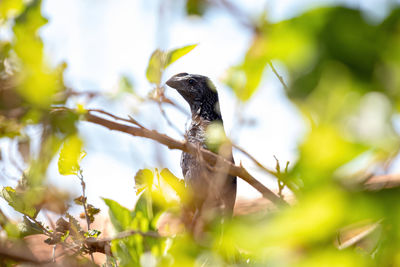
{"x":208,"y":111}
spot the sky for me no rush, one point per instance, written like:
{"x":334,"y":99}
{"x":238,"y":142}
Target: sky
{"x":101,"y":40}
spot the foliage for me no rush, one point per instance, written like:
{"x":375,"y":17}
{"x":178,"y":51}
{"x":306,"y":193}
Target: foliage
{"x":342,"y":75}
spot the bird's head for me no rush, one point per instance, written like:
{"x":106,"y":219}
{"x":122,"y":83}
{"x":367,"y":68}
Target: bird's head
{"x":199,"y":92}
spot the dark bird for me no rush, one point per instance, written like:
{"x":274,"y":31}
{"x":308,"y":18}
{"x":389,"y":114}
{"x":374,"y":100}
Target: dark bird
{"x":212,"y":192}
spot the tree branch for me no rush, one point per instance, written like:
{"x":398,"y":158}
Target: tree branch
{"x":171,"y":143}
{"x":279,"y":77}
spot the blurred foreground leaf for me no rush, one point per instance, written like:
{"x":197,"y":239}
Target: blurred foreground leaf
{"x":71,"y":155}
{"x":18,"y":201}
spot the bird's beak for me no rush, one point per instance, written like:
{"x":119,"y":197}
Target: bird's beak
{"x":176,"y":80}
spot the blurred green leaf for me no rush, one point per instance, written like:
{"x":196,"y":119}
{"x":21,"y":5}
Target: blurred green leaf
{"x":64,"y":122}
{"x":178,"y":185}
{"x":196,"y":7}
{"x":38,"y":81}
{"x":93,"y":233}
{"x":10,"y":8}
{"x":71,"y":155}
{"x":126,"y":85}
{"x":245,"y":78}
{"x":26,"y":228}
{"x":143,"y":179}
{"x":18,"y":201}
{"x":215,"y":136}
{"x":120,"y":216}
{"x":9,"y":127}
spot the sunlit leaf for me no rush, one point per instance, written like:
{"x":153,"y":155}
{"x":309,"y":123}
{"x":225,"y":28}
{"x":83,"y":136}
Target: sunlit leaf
{"x":175,"y":54}
{"x":93,"y":233}
{"x":10,"y":8}
{"x":38,"y":82}
{"x":71,"y":155}
{"x":160,"y":60}
{"x":120,"y":216}
{"x":245,"y":78}
{"x":178,"y":185}
{"x":143,"y":179}
{"x":18,"y":201}
{"x":155,"y":67}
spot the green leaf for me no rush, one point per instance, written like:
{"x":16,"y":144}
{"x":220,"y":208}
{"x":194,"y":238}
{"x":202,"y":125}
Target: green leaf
{"x":18,"y":201}
{"x":10,"y":8}
{"x":27,"y":227}
{"x":121,"y":217}
{"x":71,"y":155}
{"x":175,"y":54}
{"x":155,"y":67}
{"x":38,"y":81}
{"x":93,"y":233}
{"x":9,"y":127}
{"x":143,"y":179}
{"x":196,"y":7}
{"x":245,"y":78}
{"x":144,"y":205}
{"x":178,"y":185}
{"x":126,"y":85}
{"x":160,"y":60}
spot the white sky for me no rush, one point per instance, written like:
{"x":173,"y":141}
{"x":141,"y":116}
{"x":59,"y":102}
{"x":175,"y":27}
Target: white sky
{"x":103,"y":39}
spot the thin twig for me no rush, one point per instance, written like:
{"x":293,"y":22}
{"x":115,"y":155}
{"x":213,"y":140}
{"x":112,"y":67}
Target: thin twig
{"x":169,"y":122}
{"x":238,"y":14}
{"x":84,"y":204}
{"x":131,"y":119}
{"x":279,"y":77}
{"x":255,"y":160}
{"x":46,"y":232}
{"x":54,"y":253}
{"x":281,"y":183}
{"x":49,"y":219}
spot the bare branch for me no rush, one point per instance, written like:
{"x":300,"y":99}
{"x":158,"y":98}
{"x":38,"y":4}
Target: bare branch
{"x":171,"y":143}
{"x":379,"y":182}
{"x":17,"y":252}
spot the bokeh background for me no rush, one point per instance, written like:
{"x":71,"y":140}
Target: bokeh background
{"x":334,"y":116}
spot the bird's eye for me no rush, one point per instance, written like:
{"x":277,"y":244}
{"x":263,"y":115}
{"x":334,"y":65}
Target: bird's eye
{"x":191,"y":81}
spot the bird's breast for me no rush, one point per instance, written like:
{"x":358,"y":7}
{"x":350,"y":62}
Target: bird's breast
{"x":193,"y":171}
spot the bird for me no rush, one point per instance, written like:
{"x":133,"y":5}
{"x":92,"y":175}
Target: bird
{"x":213,"y":193}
